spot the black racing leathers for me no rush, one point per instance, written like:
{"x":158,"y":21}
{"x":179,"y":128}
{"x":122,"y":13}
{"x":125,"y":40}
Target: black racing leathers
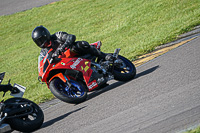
{"x":61,"y":39}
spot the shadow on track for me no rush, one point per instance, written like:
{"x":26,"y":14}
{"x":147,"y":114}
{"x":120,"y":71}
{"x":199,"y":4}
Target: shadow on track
{"x":50,"y":122}
{"x":150,"y":70}
{"x":105,"y":89}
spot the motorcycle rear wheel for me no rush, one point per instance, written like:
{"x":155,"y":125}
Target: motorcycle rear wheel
{"x":77,"y":93}
{"x":125,"y":72}
{"x":27,"y":123}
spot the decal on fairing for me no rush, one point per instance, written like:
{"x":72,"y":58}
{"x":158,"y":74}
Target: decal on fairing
{"x":86,"y":62}
{"x":73,"y":66}
{"x":92,"y":85}
{"x":62,"y":63}
{"x":86,"y":67}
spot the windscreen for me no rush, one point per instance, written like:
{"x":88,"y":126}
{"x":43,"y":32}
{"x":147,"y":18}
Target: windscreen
{"x":40,"y":58}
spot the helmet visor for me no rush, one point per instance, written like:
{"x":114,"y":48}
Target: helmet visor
{"x":41,"y":41}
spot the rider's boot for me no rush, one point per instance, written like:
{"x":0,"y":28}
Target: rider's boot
{"x":101,"y":55}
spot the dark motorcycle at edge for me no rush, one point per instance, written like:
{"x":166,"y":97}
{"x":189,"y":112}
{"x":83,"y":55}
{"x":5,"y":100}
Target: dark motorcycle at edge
{"x":18,"y":113}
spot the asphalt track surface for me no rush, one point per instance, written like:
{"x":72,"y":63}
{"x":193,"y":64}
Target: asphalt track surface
{"x":8,"y":7}
{"x":163,"y":98}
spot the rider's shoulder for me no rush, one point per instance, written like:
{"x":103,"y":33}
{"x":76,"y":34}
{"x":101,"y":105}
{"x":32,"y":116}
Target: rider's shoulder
{"x":59,"y":34}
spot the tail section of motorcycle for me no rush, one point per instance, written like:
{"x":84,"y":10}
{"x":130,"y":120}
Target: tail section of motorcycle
{"x":18,"y":113}
{"x":23,"y":114}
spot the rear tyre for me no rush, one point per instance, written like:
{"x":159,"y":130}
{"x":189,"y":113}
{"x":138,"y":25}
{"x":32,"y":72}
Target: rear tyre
{"x":77,"y":93}
{"x":28,"y":123}
{"x":125,"y":71}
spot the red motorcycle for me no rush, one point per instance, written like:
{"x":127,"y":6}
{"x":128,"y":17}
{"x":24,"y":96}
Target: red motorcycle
{"x":70,"y":78}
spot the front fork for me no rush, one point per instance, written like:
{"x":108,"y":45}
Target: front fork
{"x":67,"y":81}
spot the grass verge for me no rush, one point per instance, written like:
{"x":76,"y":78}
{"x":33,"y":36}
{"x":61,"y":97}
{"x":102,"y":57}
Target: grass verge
{"x":197,"y":130}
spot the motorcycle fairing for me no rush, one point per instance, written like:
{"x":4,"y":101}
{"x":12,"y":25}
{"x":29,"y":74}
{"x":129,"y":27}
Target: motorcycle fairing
{"x":79,"y":64}
{"x":92,"y":85}
{"x":61,"y":76}
{"x":44,"y":64}
{"x":68,"y":62}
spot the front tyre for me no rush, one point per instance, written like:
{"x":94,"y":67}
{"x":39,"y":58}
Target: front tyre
{"x":25,"y":123}
{"x":76,"y":93}
{"x":125,"y":70}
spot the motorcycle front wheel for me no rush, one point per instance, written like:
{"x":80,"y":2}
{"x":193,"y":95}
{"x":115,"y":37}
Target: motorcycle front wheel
{"x":76,"y":93}
{"x":25,"y":123}
{"x":124,"y":71}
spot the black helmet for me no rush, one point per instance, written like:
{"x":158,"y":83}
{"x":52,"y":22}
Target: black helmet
{"x":41,"y":36}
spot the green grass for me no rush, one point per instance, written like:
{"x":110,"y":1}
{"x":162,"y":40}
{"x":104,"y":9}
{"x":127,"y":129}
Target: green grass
{"x":197,"y":130}
{"x":135,"y":26}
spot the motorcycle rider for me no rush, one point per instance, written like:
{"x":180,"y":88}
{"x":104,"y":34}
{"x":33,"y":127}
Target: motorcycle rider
{"x":60,"y":40}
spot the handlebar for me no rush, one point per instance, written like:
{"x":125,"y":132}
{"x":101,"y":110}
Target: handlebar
{"x":54,"y":54}
{"x":5,"y":88}
{"x":9,"y":87}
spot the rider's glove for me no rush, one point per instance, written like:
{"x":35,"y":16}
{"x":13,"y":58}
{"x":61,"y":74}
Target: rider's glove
{"x":60,"y":50}
{"x":56,"y":59}
{"x":68,"y":43}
